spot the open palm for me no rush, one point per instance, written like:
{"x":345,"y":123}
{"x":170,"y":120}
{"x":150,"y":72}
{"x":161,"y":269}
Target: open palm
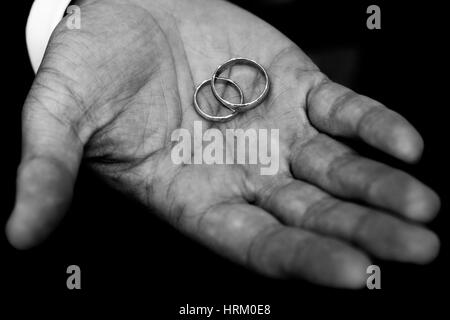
{"x":112,"y":93}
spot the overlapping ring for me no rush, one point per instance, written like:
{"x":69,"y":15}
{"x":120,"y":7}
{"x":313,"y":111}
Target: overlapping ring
{"x":235,"y":108}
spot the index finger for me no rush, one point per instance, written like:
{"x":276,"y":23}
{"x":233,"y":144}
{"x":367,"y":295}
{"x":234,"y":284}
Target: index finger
{"x":339,"y":111}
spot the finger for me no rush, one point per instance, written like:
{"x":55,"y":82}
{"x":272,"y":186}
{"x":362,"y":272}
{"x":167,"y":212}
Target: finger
{"x":335,"y":168}
{"x":51,"y":153}
{"x":303,"y":205}
{"x":250,"y":236}
{"x":337,"y":110}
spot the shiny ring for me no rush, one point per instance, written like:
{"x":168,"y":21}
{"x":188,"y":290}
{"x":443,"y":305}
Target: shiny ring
{"x":211,"y":117}
{"x":240,"y":107}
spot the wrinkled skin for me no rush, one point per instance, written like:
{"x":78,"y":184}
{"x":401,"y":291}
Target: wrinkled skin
{"x":112,"y":93}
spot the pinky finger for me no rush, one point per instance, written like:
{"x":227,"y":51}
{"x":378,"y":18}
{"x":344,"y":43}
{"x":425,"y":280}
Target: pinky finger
{"x":251,"y":236}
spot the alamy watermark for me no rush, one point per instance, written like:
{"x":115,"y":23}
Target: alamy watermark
{"x":73,"y":21}
{"x":238,"y":146}
{"x":374,"y":20}
{"x":374,"y":279}
{"x":74,"y":279}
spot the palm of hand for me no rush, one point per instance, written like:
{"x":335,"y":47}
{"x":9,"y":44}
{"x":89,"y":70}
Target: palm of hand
{"x":132,"y":69}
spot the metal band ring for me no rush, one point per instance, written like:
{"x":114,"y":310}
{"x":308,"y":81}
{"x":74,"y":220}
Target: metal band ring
{"x":240,"y":107}
{"x":211,"y":117}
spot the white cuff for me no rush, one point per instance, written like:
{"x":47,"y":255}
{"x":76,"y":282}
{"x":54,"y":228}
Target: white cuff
{"x":44,"y":17}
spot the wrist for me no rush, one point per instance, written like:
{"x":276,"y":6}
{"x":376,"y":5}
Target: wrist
{"x":42,"y":20}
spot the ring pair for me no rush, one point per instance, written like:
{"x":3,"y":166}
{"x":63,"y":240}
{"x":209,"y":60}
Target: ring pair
{"x":235,"y":108}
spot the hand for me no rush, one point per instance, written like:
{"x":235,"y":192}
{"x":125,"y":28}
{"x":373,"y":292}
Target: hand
{"x":112,"y":93}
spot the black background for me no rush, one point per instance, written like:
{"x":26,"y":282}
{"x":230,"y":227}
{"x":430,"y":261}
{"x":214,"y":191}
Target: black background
{"x":124,"y":252}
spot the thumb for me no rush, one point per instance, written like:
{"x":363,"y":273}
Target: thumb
{"x":51,"y":155}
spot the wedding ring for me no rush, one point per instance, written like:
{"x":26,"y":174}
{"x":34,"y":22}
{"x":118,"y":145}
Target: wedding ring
{"x":240,"y":107}
{"x":211,"y":117}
